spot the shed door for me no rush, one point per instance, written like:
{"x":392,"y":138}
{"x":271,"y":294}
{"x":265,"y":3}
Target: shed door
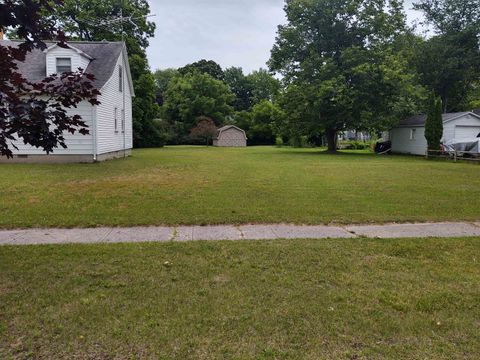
{"x":466,"y":132}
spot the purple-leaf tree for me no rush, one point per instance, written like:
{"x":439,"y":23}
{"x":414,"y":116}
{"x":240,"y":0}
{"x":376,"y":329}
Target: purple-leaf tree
{"x":204,"y":130}
{"x":36,"y":113}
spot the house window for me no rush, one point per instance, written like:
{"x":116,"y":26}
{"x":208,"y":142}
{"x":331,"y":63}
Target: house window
{"x":413,"y":133}
{"x":123,"y":121}
{"x":64,"y":65}
{"x":116,"y":119}
{"x":120,"y":78}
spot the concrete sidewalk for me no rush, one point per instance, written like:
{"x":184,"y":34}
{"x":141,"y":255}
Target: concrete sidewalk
{"x":230,"y":232}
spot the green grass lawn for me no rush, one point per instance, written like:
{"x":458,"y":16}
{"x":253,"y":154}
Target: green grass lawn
{"x":295,"y":299}
{"x":198,"y":185}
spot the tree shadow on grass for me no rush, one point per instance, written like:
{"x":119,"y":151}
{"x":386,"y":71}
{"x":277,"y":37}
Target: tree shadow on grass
{"x":323,"y":152}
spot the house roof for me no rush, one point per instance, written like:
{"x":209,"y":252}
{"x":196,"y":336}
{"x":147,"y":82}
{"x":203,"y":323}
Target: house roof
{"x":419,"y":120}
{"x":103,"y":55}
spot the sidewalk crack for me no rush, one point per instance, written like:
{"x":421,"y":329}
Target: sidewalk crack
{"x":104,"y":238}
{"x":174,"y":234}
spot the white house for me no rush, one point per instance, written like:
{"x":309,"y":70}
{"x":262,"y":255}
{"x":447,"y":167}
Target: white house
{"x":110,"y":123}
{"x":230,"y":136}
{"x":408,"y":137}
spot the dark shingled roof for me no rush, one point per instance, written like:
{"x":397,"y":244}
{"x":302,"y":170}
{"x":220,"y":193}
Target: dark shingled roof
{"x":105,"y":55}
{"x":419,"y":120}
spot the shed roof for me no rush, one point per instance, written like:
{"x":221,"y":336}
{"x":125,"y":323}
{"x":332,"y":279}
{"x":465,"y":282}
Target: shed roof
{"x":419,"y":120}
{"x":104,"y":57}
{"x":226,"y":127}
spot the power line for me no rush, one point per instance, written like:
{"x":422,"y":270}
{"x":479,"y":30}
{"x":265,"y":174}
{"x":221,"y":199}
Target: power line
{"x":121,"y":20}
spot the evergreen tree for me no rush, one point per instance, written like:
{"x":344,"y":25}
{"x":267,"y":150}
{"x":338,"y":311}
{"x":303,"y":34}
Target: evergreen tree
{"x":434,"y":123}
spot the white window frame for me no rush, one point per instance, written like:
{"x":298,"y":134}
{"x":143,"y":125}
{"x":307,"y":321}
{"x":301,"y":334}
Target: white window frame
{"x":59,"y":59}
{"x":116,"y":119}
{"x":120,"y":78}
{"x":413,"y":134}
{"x":123,"y":120}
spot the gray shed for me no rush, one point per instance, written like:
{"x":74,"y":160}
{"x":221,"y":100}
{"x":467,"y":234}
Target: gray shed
{"x":230,"y":136}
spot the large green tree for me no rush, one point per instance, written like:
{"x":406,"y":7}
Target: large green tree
{"x":86,"y":20}
{"x":240,"y":87}
{"x":338,"y":57}
{"x":449,"y":16}
{"x":193,"y":95}
{"x":263,"y":86}
{"x":203,"y":66}
{"x":162,"y":80}
{"x":266,"y":121}
{"x":450,"y":65}
{"x":449,"y":61}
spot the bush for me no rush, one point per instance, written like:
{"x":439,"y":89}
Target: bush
{"x":299,"y":142}
{"x":356,"y":145}
{"x":278,"y":141}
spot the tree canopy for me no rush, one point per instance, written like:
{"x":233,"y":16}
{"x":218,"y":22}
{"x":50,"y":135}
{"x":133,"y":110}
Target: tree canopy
{"x":203,"y":66}
{"x":451,"y":15}
{"x":193,"y":95}
{"x":338,"y":55}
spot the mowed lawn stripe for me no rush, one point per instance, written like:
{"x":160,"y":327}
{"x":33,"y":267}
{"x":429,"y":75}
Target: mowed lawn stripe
{"x":199,"y":185}
{"x":284,"y":299}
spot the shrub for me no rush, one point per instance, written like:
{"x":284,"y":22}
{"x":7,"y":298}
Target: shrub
{"x":278,"y":141}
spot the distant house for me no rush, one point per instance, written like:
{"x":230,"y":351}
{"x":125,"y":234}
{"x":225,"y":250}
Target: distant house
{"x":408,"y":137}
{"x":110,"y":123}
{"x":350,"y":135}
{"x":230,"y":136}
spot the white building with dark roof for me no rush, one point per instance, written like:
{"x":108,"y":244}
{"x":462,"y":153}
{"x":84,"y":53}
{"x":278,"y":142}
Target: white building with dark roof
{"x":109,"y":124}
{"x":408,"y":137}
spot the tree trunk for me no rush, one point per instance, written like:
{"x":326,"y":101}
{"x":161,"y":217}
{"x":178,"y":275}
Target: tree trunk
{"x":332,"y":140}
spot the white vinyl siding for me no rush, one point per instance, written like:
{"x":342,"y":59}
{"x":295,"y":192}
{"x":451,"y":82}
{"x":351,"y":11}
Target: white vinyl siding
{"x":107,"y":139}
{"x":77,"y":60}
{"x":464,"y":126}
{"x":402,"y":141}
{"x":466,"y":132}
{"x":77,"y":144}
{"x":450,"y":130}
{"x":110,"y":130}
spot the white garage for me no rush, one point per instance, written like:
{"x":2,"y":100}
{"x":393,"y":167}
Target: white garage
{"x":408,"y":137}
{"x":465,"y":132}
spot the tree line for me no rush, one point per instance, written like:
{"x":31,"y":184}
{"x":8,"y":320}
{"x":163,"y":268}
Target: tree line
{"x":335,"y":65}
{"x":343,"y":65}
{"x":204,"y":90}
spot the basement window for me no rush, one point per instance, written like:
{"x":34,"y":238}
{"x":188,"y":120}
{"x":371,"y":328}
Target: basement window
{"x":116,"y":119}
{"x":64,"y":65}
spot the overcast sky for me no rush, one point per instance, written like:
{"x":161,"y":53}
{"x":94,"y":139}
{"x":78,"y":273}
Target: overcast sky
{"x":230,"y":32}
